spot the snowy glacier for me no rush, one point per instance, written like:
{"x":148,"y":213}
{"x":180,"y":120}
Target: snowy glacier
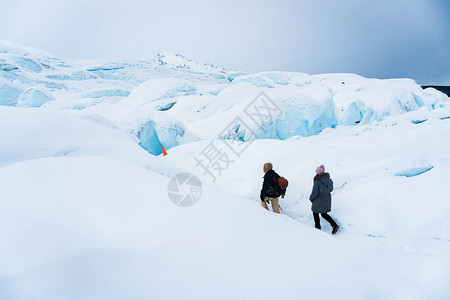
{"x":199,"y":96}
{"x":33,"y":98}
{"x":84,"y":208}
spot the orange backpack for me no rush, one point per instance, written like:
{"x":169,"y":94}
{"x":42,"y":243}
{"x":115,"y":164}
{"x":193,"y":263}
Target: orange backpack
{"x":282,"y":184}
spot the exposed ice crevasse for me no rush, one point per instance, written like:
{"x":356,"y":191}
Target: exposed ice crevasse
{"x":414,"y":171}
{"x":153,"y":137}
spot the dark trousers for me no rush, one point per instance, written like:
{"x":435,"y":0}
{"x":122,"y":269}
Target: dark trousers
{"x":326,"y":217}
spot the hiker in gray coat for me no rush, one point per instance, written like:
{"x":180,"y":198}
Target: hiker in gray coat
{"x":321,"y":198}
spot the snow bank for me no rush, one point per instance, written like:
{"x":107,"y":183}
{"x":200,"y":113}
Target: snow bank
{"x":104,"y":234}
{"x":28,"y":133}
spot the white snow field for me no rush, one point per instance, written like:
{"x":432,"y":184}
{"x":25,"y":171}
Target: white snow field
{"x":84,"y":208}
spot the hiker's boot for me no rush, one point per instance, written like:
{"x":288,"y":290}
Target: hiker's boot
{"x":335,"y":229}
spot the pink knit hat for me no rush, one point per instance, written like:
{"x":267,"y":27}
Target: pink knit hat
{"x":320,"y":170}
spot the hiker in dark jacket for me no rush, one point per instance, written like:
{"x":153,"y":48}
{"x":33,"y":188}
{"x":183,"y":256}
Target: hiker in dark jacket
{"x":270,"y":188}
{"x":321,"y":198}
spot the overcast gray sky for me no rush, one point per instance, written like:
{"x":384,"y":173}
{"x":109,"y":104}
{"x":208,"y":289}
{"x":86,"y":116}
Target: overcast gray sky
{"x":376,"y":38}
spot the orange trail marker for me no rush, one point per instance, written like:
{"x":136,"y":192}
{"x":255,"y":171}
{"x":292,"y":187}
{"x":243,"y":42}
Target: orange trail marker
{"x":164,"y":151}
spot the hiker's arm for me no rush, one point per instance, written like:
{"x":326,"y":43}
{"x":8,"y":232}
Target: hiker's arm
{"x":262,"y":196}
{"x":264,"y":189}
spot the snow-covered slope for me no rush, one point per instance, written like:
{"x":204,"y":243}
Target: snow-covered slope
{"x":27,"y":133}
{"x":84,"y":208}
{"x":179,"y":62}
{"x":100,"y":232}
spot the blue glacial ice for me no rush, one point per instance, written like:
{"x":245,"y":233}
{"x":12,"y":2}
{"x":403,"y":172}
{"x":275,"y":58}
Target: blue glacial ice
{"x":106,"y":93}
{"x":9,"y":95}
{"x":112,"y":71}
{"x":418,"y":121}
{"x":149,"y":140}
{"x":233,"y":75}
{"x":296,"y":120}
{"x":29,"y":64}
{"x":304,"y":121}
{"x":414,"y":171}
{"x":108,"y":67}
{"x":357,"y":113}
{"x":153,"y":137}
{"x":166,"y":106}
{"x":33,"y":98}
{"x":352,"y":100}
{"x":59,"y":77}
{"x":15,"y":76}
{"x":79,"y":75}
{"x":418,"y":100}
{"x":53,"y":85}
{"x":7,"y":67}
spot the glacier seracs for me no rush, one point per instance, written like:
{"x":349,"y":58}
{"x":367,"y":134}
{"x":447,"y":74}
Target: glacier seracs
{"x":201,"y":98}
